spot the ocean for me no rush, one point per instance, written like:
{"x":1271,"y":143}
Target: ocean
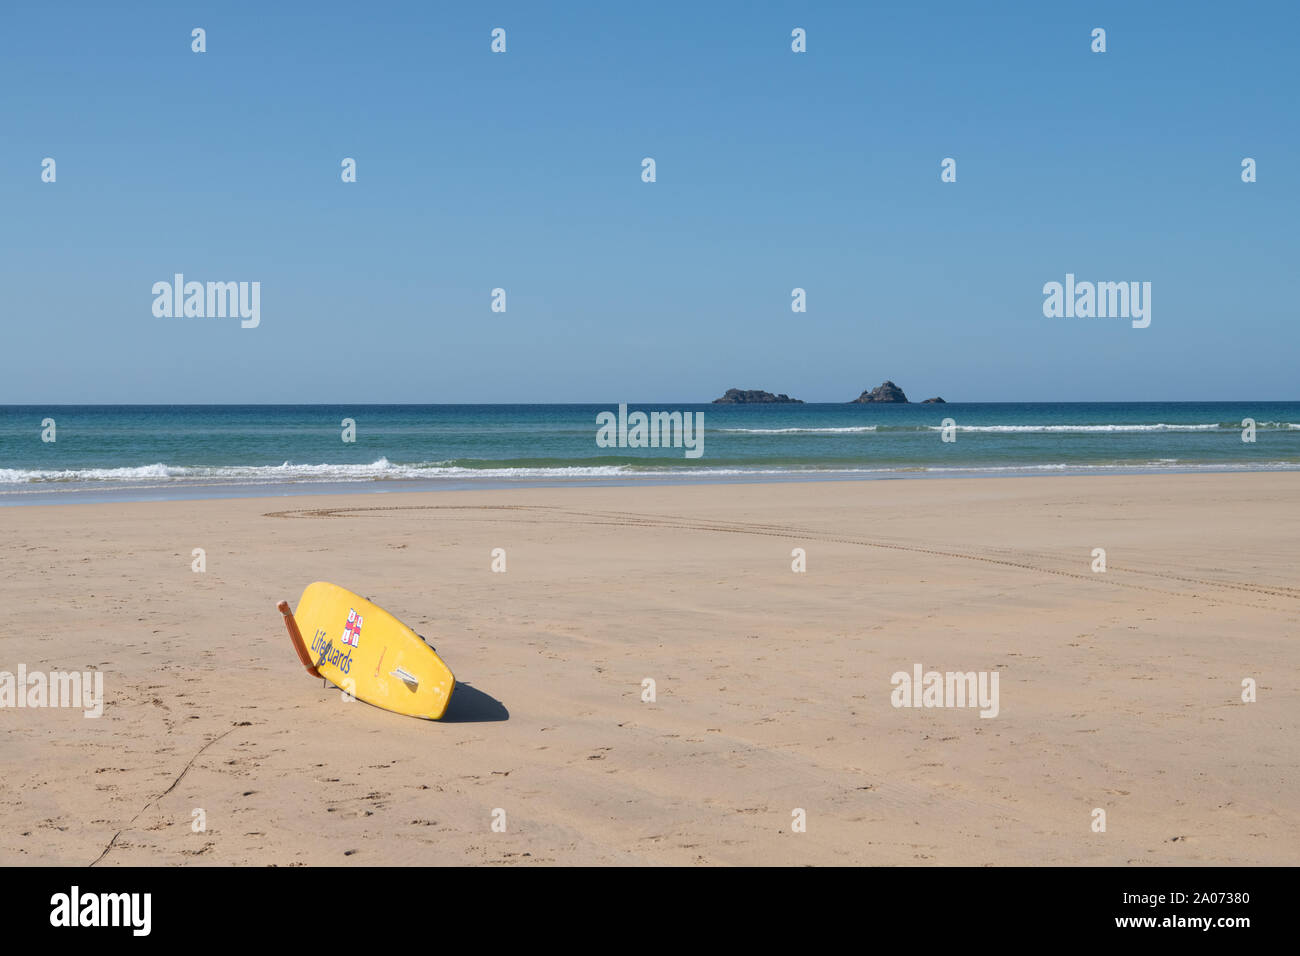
{"x":184,"y":451}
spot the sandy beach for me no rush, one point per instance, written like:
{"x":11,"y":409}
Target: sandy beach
{"x":1119,"y":690}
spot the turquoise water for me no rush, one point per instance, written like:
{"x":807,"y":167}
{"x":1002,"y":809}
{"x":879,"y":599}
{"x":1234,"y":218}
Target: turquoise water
{"x":174,"y":451}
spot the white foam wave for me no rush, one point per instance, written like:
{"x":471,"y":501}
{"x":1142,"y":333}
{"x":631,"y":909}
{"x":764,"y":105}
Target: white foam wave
{"x":161,"y":475}
{"x":381,"y":470}
{"x":287,"y":471}
{"x":1159,"y":427}
{"x":800,"y":431}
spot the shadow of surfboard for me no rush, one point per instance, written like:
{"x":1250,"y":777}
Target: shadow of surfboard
{"x":471,"y":705}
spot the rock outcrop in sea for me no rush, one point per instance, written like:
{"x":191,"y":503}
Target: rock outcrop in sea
{"x":886,"y":392}
{"x":754,"y":396}
{"x":934,"y":401}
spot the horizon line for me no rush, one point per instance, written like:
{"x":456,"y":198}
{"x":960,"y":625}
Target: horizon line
{"x":1226,"y":401}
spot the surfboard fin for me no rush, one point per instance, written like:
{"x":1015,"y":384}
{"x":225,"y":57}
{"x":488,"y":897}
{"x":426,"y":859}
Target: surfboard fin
{"x":405,"y":678}
{"x":296,"y":638}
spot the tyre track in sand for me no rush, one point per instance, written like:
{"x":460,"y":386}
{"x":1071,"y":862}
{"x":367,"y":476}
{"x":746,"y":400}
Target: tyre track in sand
{"x":1020,"y":560}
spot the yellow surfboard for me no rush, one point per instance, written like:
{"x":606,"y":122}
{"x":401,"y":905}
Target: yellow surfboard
{"x":363,"y":649}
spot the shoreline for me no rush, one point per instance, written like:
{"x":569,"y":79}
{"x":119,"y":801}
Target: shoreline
{"x":36,"y":494}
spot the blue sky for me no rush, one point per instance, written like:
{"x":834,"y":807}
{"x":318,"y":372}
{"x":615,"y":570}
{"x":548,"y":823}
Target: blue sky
{"x":523,"y":171}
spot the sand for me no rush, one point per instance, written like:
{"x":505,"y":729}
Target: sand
{"x":1118,"y":691}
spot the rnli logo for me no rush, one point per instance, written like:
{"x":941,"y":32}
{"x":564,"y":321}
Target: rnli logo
{"x":352,"y":630}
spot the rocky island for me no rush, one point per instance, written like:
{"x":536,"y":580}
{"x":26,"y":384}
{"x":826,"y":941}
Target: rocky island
{"x":754,"y":396}
{"x":886,"y":392}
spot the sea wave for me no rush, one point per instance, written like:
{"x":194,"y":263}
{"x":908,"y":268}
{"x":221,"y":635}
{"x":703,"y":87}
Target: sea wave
{"x":1010,"y":429}
{"x":160,"y":470}
{"x":380,"y":470}
{"x":799,"y":431}
{"x":163,"y":475}
{"x":1157,"y":427}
